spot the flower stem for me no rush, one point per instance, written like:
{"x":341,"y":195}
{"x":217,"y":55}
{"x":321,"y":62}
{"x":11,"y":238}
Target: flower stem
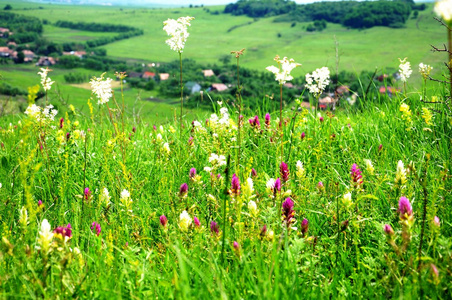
{"x":239,"y":100}
{"x":181,"y":96}
{"x":281,"y":123}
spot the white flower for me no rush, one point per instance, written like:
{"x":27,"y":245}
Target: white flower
{"x":369,"y":166}
{"x":177,"y":29}
{"x":166,"y":148}
{"x":300,"y":170}
{"x":184,"y":221}
{"x":126,"y":201}
{"x":282,"y":74}
{"x":45,"y":236}
{"x":46,"y":82}
{"x":400,"y":173}
{"x":318,"y":81}
{"x":125,"y":194}
{"x":347,"y":199}
{"x":23,"y":216}
{"x":102,"y":88}
{"x":159,"y":137}
{"x":270,"y":185}
{"x":248,"y":188}
{"x":0,"y":185}
{"x":404,"y":69}
{"x":104,"y":197}
{"x":219,"y":160}
{"x":425,"y":70}
{"x":443,"y":9}
{"x":46,"y":114}
{"x":252,"y":207}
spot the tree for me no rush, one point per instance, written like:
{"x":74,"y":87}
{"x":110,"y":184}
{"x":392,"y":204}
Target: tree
{"x":8,"y":7}
{"x":20,"y":58}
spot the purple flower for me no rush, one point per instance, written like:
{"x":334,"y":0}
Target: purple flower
{"x":64,"y":231}
{"x":235,"y":185}
{"x":355,"y":172}
{"x":154,"y":127}
{"x":304,"y":226}
{"x":236,"y":245}
{"x":192,"y":174}
{"x":277,"y":185}
{"x":263,"y":231}
{"x":303,"y":135}
{"x":61,"y":122}
{"x":284,"y":171}
{"x":190,"y":141}
{"x":214,"y":227}
{"x":68,"y":136}
{"x":95,"y":227}
{"x":183,"y":190}
{"x":436,"y":222}
{"x":287,"y":211}
{"x":320,"y":186}
{"x":87,"y":193}
{"x":254,"y":122}
{"x":405,"y":209}
{"x":321,"y":119}
{"x":380,"y":147}
{"x":134,"y":129}
{"x":163,"y":220}
{"x":40,"y":204}
{"x":388,"y":230}
{"x":196,"y":221}
{"x":253,"y":172}
{"x":267,"y":120}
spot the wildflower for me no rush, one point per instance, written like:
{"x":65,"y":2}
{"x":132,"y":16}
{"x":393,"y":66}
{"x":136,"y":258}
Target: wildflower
{"x":61,"y":122}
{"x":219,"y":160}
{"x":287,"y":211}
{"x":45,"y":236}
{"x":184,"y":221}
{"x":400,"y":174}
{"x":253,"y":172}
{"x":47,"y":114}
{"x":436,"y":222}
{"x":104,"y":197}
{"x":214,"y":227}
{"x":197,"y":222}
{"x":40,"y":204}
{"x":177,"y":29}
{"x":166,"y":148}
{"x":190,"y":141}
{"x":282,"y":72}
{"x":284,"y":171}
{"x":64,"y":233}
{"x":263,"y":232}
{"x":318,"y":81}
{"x":102,"y":89}
{"x":443,"y":9}
{"x":435,"y":273}
{"x":192,"y":174}
{"x":320,"y":186}
{"x":86,"y":193}
{"x":23,"y":216}
{"x":254,"y":122}
{"x":388,"y":230}
{"x":235,"y":185}
{"x":347,"y":199}
{"x":267,"y":120}
{"x":369,"y":166}
{"x":425,"y":70}
{"x":125,"y":200}
{"x":405,"y":210}
{"x":270,"y":235}
{"x":46,"y":82}
{"x":163,"y":220}
{"x":183,"y":190}
{"x":236,"y":246}
{"x":357,"y":178}
{"x":380,"y":147}
{"x":404,"y":69}
{"x":95,"y":227}
{"x":300,"y":170}
{"x":303,"y":135}
{"x":321,"y":119}
{"x":304,"y":226}
{"x":427,"y":115}
{"x":252,"y":207}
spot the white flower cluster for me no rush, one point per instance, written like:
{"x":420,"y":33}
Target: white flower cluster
{"x":404,"y":69}
{"x":443,"y":9}
{"x":46,"y":82}
{"x":177,"y":29}
{"x":300,"y":170}
{"x":318,"y":81}
{"x":105,"y":197}
{"x":184,"y":221}
{"x":126,"y":201}
{"x":425,"y":70}
{"x":39,"y":114}
{"x":45,"y":237}
{"x":102,"y":88}
{"x":369,"y":166}
{"x":222,"y":122}
{"x":282,"y":74}
{"x":216,"y":162}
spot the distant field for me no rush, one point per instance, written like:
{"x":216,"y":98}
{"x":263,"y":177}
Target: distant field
{"x":66,"y":35}
{"x":213,"y":36}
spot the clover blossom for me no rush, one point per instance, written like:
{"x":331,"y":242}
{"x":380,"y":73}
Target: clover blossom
{"x":282,"y":72}
{"x":405,"y":69}
{"x":355,"y":173}
{"x":46,"y":82}
{"x":388,"y":230}
{"x":125,"y":200}
{"x":102,"y":89}
{"x":95,"y":227}
{"x":45,"y":237}
{"x":64,"y":233}
{"x":184,"y":221}
{"x":196,"y":222}
{"x":425,"y":70}
{"x":318,"y":81}
{"x":443,"y":9}
{"x":267,"y":120}
{"x":235,"y":185}
{"x":287,"y":211}
{"x":177,"y":29}
{"x":183,"y":190}
{"x":284,"y":171}
{"x":347,"y":199}
{"x":163,"y":220}
{"x":254,"y":122}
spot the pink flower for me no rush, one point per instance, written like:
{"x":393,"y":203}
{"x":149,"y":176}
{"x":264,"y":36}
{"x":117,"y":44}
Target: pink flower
{"x":267,"y":120}
{"x":254,"y":122}
{"x":87,"y":193}
{"x":61,"y":122}
{"x":303,"y":135}
{"x":253,"y":172}
{"x":64,"y":231}
{"x":192,"y":174}
{"x":388,"y":230}
{"x":287,"y":211}
{"x":284,"y":171}
{"x":436,"y":222}
{"x":263,"y":231}
{"x":197,"y":222}
{"x":163,"y":220}
{"x":183,"y":190}
{"x":405,"y":209}
{"x":95,"y":227}
{"x":304,"y":226}
{"x":277,"y":186}
{"x":235,"y":185}
{"x":355,"y":172}
{"x":40,"y":204}
{"x":214,"y":227}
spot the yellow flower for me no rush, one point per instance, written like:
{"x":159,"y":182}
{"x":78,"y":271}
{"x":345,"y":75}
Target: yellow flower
{"x":427,"y":115}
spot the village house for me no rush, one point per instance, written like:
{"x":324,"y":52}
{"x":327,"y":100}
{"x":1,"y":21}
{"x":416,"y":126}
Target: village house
{"x":219,"y":87}
{"x":6,"y":52}
{"x":208,"y":73}
{"x":4,"y":32}
{"x":29,"y":56}
{"x":164,"y":76}
{"x":46,"y":61}
{"x":79,"y":54}
{"x":148,"y":75}
{"x":193,"y":87}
